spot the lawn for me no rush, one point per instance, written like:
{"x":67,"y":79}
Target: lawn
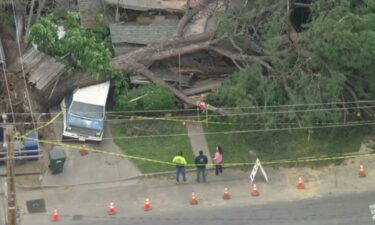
{"x":139,"y":140}
{"x":284,"y":144}
{"x":145,"y":139}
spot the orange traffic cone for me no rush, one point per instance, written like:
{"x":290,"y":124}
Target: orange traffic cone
{"x":300,"y":184}
{"x":193,"y":200}
{"x":254,"y":191}
{"x":56,"y":216}
{"x":83,"y":150}
{"x":147,"y":205}
{"x":111,"y":209}
{"x":362,"y":172}
{"x":226,"y":195}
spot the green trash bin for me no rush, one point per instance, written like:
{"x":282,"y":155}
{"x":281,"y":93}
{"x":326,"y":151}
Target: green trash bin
{"x":57,"y":159}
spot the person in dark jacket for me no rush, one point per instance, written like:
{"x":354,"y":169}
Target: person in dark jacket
{"x":201,"y":161}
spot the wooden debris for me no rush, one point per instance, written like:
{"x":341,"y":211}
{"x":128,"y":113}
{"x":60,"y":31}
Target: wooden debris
{"x":41,"y":70}
{"x":203,"y":87}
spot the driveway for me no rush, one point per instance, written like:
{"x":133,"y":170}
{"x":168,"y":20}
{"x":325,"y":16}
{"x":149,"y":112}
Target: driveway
{"x":92,"y":168}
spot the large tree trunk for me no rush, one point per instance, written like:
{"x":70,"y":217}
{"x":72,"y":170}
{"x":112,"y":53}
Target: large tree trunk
{"x":40,"y":8}
{"x":138,"y":62}
{"x":30,"y":18}
{"x":40,"y":101}
{"x":65,"y":86}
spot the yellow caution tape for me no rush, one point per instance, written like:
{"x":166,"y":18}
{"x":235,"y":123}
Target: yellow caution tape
{"x":105,"y":152}
{"x":325,"y":158}
{"x":46,"y":124}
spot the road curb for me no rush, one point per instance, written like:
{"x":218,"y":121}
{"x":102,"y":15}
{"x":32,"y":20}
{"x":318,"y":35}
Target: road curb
{"x":146,"y":175}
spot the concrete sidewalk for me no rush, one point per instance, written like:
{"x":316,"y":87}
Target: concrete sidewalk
{"x":89,"y":201}
{"x":198,"y":140}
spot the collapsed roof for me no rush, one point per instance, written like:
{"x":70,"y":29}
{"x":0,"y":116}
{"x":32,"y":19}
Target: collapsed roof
{"x":130,"y":36}
{"x":145,"y":5}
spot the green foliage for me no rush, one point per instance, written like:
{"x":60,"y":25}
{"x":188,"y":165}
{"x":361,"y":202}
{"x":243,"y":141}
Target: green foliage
{"x":342,"y":39}
{"x":6,"y":17}
{"x":147,"y":97}
{"x":227,"y":24}
{"x":335,"y":62}
{"x":44,"y":34}
{"x":86,"y":48}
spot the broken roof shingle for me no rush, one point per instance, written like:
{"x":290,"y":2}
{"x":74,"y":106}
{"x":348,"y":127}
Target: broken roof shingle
{"x":159,"y":30}
{"x":145,"y":5}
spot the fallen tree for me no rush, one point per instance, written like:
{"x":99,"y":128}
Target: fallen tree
{"x":249,"y":34}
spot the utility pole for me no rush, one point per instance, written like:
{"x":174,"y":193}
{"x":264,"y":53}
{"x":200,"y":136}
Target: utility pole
{"x":10,"y":175}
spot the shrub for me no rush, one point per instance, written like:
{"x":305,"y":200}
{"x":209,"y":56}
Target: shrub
{"x":147,"y":97}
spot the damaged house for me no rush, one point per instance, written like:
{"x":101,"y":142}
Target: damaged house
{"x":134,"y":24}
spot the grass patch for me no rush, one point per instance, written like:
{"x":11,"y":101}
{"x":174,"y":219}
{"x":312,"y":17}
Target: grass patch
{"x":279,"y":145}
{"x":268,"y":146}
{"x":157,"y":148}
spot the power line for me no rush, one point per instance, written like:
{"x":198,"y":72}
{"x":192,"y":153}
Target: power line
{"x":7,"y":86}
{"x":298,"y":111}
{"x":308,"y":104}
{"x":21,"y":62}
{"x":186,"y":118}
{"x":236,"y":131}
{"x":182,"y":118}
{"x":115,"y":121}
{"x":228,"y":108}
{"x":272,"y":112}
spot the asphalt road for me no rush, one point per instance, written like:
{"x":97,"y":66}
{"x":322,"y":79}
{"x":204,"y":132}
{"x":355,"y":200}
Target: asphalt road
{"x":345,"y":210}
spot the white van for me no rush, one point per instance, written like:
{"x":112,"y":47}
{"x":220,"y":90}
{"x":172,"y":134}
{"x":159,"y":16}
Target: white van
{"x":84,"y":112}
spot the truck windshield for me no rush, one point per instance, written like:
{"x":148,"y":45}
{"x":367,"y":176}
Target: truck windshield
{"x":87,"y":110}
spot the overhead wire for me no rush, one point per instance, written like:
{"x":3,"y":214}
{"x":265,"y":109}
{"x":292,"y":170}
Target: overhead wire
{"x":227,"y":108}
{"x":57,"y":142}
{"x":151,"y":160}
{"x":8,"y":91}
{"x":21,"y":62}
{"x":18,"y":37}
{"x":188,"y":118}
{"x":237,"y":131}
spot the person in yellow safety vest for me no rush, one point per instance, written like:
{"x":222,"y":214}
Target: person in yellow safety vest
{"x":180,"y":162}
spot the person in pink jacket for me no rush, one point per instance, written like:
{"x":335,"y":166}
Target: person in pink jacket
{"x":218,"y":159}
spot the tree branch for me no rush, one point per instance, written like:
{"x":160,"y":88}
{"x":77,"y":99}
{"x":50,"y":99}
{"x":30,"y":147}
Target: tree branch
{"x":355,"y":97}
{"x":148,"y":55}
{"x":211,"y":70}
{"x":243,"y":58}
{"x":190,"y":102}
{"x":187,"y":17}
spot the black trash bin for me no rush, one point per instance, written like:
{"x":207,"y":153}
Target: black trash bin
{"x":57,"y":159}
